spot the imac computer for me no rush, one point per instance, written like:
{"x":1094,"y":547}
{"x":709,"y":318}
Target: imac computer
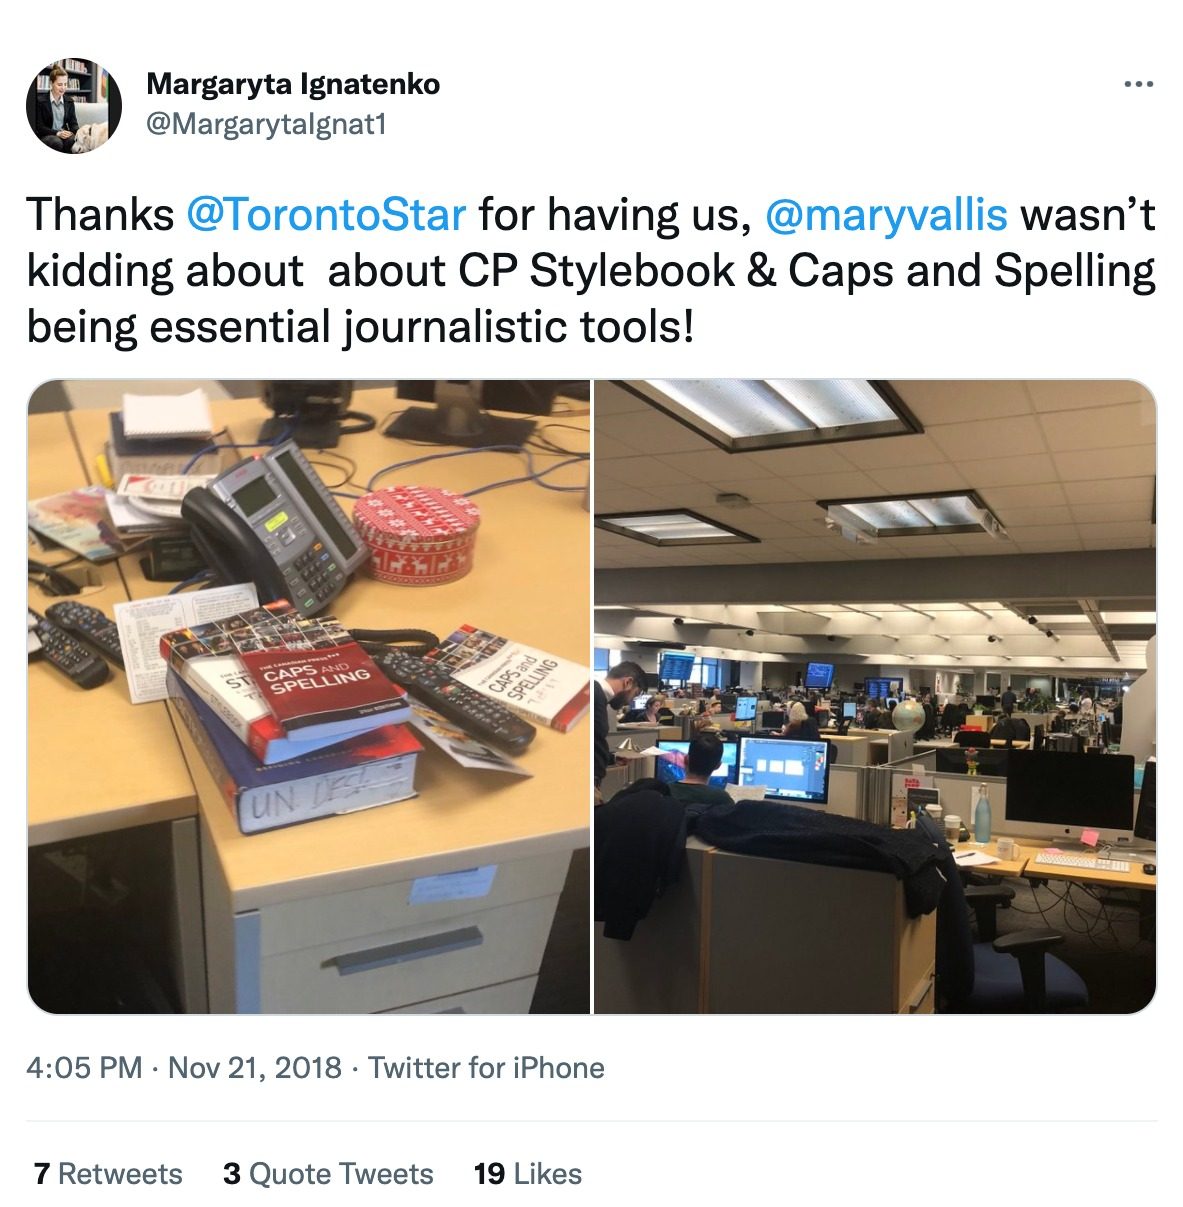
{"x":672,"y":767}
{"x":745,"y":708}
{"x":772,"y":718}
{"x":1056,"y":795}
{"x":1146,"y":827}
{"x":787,"y":771}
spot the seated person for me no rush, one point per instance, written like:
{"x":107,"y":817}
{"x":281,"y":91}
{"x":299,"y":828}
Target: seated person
{"x":705,"y":720}
{"x":1005,"y":730}
{"x":56,"y":123}
{"x":702,"y":761}
{"x":872,"y":718}
{"x":799,"y":725}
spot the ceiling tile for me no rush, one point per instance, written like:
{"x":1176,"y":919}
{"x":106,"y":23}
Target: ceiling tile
{"x":1041,"y":494}
{"x":989,"y":438}
{"x":1109,"y":427}
{"x":1025,"y":517}
{"x":1136,"y":535}
{"x":891,"y":452}
{"x":838,"y":486}
{"x":1101,"y":513}
{"x":1012,"y":471}
{"x":940,"y":476}
{"x":1113,"y":490}
{"x":609,"y":399}
{"x":1074,"y":395}
{"x":711,"y":465}
{"x":940,"y":402}
{"x":649,"y":430}
{"x":794,"y":462}
{"x":1105,"y":463}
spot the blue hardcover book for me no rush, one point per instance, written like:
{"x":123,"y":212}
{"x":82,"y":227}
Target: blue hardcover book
{"x":375,"y":768}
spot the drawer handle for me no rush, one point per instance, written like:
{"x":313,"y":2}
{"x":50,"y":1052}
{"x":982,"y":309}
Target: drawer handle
{"x":411,"y":949}
{"x":918,"y":1001}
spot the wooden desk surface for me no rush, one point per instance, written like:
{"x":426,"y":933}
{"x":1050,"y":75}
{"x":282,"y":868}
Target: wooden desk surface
{"x":531,"y":581}
{"x":96,"y":761}
{"x":1002,"y":867}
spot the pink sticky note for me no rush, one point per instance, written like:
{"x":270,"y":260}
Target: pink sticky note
{"x":1089,"y":837}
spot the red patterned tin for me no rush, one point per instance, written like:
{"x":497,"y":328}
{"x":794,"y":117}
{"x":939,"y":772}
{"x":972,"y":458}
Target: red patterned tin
{"x":419,"y":536}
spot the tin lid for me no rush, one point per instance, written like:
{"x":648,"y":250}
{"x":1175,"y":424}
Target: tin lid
{"x":416,"y":514}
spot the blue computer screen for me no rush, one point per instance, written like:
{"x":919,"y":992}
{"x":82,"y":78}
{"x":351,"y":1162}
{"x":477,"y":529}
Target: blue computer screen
{"x":672,"y":767}
{"x":819,"y":674}
{"x":785,"y":770}
{"x":745,"y":708}
{"x":849,"y":709}
{"x":676,"y":666}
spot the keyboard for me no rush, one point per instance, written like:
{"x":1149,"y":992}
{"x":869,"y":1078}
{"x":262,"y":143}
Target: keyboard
{"x":1083,"y":861}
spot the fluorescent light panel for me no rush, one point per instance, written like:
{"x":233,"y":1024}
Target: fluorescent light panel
{"x":747,"y":414}
{"x":915,"y":515}
{"x":676,"y":527}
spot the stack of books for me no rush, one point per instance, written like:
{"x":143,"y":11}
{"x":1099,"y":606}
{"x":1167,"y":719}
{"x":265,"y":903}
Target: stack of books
{"x":292,"y":717}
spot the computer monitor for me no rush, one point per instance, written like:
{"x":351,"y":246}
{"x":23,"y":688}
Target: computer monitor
{"x":787,"y":771}
{"x":772,"y":718}
{"x":985,"y":701}
{"x":460,"y":414}
{"x":849,"y":710}
{"x":641,"y":702}
{"x":727,"y":701}
{"x":672,"y":769}
{"x":745,"y":708}
{"x":819,"y":675}
{"x":1145,"y":826}
{"x":676,"y":666}
{"x":1054,"y":794}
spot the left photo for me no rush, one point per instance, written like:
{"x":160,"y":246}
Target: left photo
{"x":307,"y":696}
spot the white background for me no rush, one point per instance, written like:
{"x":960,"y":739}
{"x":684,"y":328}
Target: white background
{"x":724,"y":104}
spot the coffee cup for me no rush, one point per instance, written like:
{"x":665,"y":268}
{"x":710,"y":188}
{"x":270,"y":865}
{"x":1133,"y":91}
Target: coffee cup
{"x":952,"y":828}
{"x":1008,"y":848}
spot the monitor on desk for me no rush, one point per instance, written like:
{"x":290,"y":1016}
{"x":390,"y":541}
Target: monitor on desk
{"x":671,"y":769}
{"x":745,"y":708}
{"x":1056,"y":795}
{"x":787,"y":771}
{"x":1146,"y":826}
{"x":849,"y":710}
{"x":773,"y":718}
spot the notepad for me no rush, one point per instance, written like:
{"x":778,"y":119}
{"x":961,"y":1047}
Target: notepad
{"x":167,"y":416}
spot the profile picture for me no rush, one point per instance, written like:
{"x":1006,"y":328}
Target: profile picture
{"x":73,"y":106}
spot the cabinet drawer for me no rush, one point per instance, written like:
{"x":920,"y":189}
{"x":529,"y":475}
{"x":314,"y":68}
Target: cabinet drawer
{"x":920,"y":997}
{"x":514,"y":997}
{"x":314,"y":921}
{"x":394,"y":968}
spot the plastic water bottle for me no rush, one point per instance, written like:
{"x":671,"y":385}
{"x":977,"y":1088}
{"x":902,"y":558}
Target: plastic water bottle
{"x":982,"y":816}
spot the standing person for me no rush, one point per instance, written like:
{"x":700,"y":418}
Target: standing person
{"x":623,"y":683}
{"x":1008,"y":700}
{"x":56,"y":121}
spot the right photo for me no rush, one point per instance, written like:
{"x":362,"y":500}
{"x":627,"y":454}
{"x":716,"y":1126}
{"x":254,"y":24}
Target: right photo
{"x":874,"y":696}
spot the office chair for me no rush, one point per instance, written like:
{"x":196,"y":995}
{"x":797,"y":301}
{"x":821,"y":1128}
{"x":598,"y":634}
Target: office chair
{"x":973,"y":737}
{"x":1022,"y":729}
{"x":997,"y":975}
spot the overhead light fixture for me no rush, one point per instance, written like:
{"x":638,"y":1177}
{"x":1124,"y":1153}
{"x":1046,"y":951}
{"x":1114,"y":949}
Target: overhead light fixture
{"x":743,"y":415}
{"x":677,"y":526}
{"x":944,"y":513}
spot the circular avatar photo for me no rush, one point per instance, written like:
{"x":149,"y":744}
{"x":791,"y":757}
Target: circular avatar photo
{"x":73,"y":106}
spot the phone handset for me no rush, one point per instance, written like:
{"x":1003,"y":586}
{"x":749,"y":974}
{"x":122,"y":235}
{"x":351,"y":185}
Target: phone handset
{"x":229,"y":546}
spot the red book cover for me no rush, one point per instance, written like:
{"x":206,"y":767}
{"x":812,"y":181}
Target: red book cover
{"x":313,"y":677}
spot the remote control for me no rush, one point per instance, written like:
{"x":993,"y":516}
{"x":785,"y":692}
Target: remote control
{"x":90,"y":625}
{"x":483,"y":719}
{"x":70,"y":657}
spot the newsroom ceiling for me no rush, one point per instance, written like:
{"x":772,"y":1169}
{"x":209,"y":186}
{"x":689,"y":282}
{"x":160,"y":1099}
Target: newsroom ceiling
{"x":1067,"y":467}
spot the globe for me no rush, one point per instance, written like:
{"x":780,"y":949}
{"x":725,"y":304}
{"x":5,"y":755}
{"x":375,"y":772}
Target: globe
{"x":908,"y":716}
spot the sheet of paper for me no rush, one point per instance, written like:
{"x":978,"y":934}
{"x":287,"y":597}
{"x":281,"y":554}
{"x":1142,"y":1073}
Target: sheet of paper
{"x":973,"y":859}
{"x":142,"y":621}
{"x":454,"y":886}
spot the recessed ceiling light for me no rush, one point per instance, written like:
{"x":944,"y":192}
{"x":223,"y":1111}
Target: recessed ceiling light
{"x":915,"y":515}
{"x":744,"y":415}
{"x":675,"y":527}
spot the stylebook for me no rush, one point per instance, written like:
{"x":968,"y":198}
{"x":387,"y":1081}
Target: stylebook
{"x":375,"y":768}
{"x":316,"y":683}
